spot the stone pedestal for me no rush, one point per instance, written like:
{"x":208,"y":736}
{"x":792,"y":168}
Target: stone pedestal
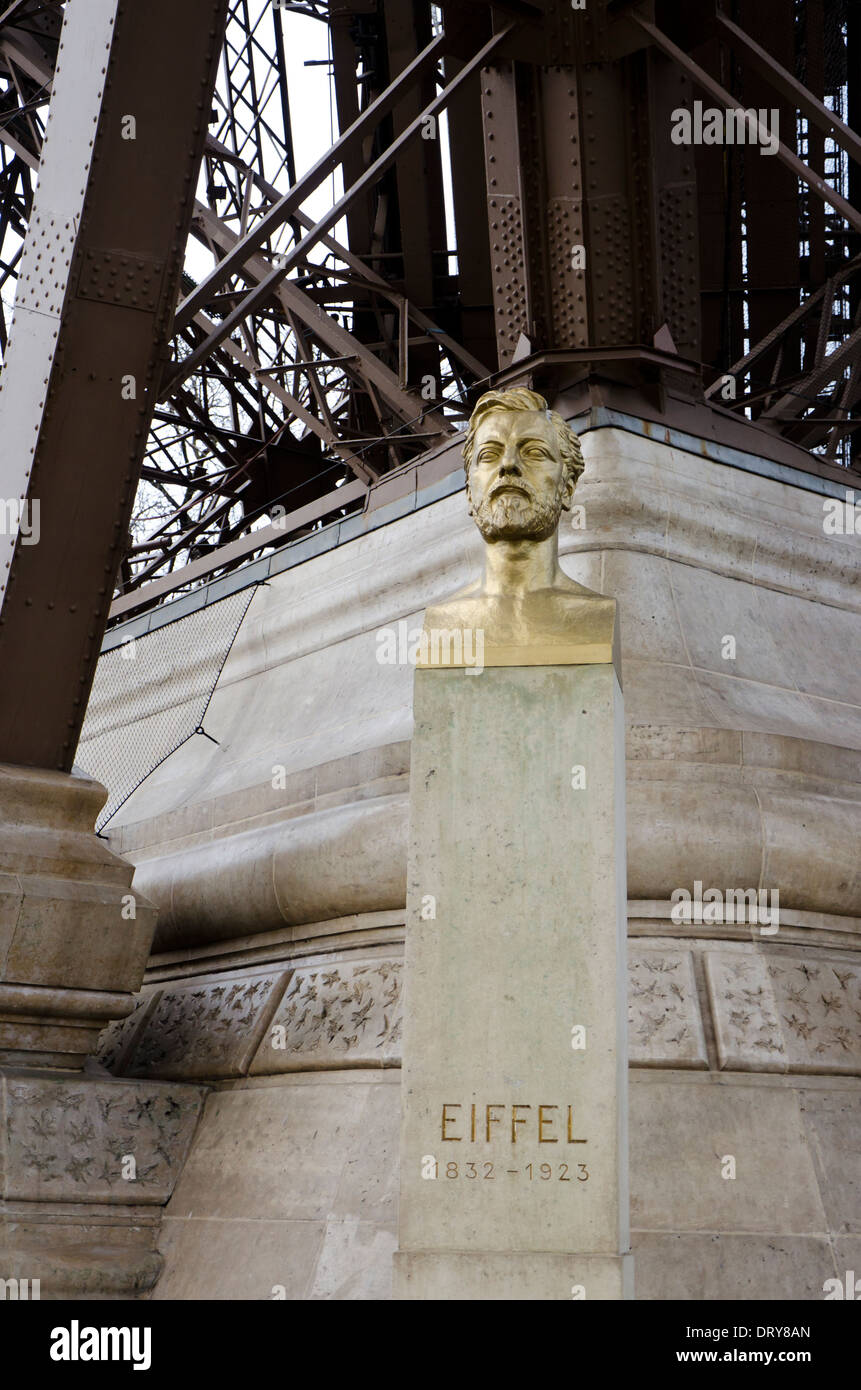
{"x":74,"y":939}
{"x":86,"y":1160}
{"x":513,"y":1143}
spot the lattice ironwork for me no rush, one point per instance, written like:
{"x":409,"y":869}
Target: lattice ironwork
{"x":324,"y":338}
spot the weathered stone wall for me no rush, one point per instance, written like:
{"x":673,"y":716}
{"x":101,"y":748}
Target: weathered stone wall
{"x":292,"y":1180}
{"x":277,"y":859}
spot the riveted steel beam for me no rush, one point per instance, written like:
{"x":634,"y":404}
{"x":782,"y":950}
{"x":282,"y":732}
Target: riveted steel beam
{"x":98,"y":284}
{"x":720,"y":94}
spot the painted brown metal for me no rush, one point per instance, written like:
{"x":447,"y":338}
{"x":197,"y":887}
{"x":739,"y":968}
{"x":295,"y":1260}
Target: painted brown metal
{"x":786,"y":83}
{"x":116,"y":313}
{"x":274,"y":277}
{"x":581,"y":229}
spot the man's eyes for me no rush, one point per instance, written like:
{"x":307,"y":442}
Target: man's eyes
{"x":490,"y":454}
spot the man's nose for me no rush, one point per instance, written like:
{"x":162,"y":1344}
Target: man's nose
{"x":509,"y":463}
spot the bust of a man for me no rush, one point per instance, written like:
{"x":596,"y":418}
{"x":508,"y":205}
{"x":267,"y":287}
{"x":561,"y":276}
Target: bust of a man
{"x":522,"y":463}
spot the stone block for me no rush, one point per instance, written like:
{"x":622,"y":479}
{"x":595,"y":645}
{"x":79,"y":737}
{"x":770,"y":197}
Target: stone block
{"x":776,"y":1012}
{"x":682,"y":1133}
{"x":744,"y":1009}
{"x":74,"y":937}
{"x":81,"y":1253}
{"x":706,"y":1268}
{"x":355,"y":1261}
{"x":117,"y":1040}
{"x":86,"y":1165}
{"x":511,"y":1276}
{"x":664,"y":1024}
{"x":271,"y":1152}
{"x":207,"y":1029}
{"x":70,"y":1139}
{"x":335,"y":1015}
{"x":513,"y":1137}
{"x":833,"y":1119}
{"x":368,"y":1187}
{"x":255,"y":1260}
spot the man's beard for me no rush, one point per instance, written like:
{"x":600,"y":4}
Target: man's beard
{"x":512,"y":516}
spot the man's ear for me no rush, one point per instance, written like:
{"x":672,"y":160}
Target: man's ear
{"x":568,"y":493}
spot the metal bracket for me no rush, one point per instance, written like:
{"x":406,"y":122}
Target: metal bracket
{"x":118,"y":277}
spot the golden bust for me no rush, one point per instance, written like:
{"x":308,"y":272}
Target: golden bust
{"x":522,"y":463}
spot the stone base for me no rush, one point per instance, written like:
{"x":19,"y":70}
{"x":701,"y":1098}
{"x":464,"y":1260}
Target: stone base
{"x":514,"y":1151}
{"x":74,"y":938}
{"x":511,"y":1276}
{"x":55,"y":1027}
{"x":78,"y":1250}
{"x":88,"y":1163}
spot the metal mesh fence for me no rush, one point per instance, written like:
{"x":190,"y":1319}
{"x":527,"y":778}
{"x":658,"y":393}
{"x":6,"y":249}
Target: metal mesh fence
{"x":151,"y":694}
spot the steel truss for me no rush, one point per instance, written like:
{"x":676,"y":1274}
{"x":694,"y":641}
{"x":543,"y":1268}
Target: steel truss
{"x":296,"y":347}
{"x":304,"y":369}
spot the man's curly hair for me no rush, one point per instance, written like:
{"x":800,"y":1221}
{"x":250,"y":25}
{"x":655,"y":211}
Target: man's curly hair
{"x":519,"y":398}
